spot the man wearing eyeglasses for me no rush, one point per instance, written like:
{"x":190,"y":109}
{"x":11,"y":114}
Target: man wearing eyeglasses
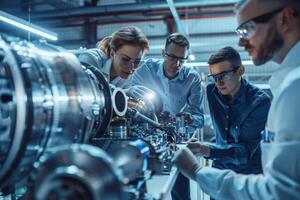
{"x":239,"y":113}
{"x":268,"y":30}
{"x":179,"y":87}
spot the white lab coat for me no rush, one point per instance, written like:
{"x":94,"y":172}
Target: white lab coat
{"x":281,"y":159}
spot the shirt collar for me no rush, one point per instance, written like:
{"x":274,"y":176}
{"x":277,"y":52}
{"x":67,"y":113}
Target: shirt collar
{"x":289,"y":63}
{"x":240,"y":96}
{"x":160,"y":72}
{"x":289,"y":60}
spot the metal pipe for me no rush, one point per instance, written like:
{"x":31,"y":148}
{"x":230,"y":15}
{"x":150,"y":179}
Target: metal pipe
{"x":176,"y":17}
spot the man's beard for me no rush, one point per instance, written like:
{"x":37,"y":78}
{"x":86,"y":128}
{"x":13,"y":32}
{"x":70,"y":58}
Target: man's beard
{"x":271,"y":46}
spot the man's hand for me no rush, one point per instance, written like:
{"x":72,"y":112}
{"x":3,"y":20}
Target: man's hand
{"x":188,"y":117}
{"x":186,"y":162}
{"x":197,"y":148}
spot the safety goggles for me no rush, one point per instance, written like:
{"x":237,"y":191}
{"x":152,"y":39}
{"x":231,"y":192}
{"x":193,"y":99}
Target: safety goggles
{"x":247,"y":29}
{"x":126,"y":60}
{"x":223,"y":76}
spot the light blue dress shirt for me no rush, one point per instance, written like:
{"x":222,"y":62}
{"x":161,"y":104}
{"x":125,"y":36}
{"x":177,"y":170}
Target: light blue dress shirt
{"x":281,"y":158}
{"x":183,"y":93}
{"x":99,"y":59}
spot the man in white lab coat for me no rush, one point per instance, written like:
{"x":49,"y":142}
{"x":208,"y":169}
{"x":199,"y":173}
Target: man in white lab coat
{"x":268,"y":30}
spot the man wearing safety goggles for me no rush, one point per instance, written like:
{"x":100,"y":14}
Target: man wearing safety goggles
{"x":239,"y":113}
{"x":268,"y":30}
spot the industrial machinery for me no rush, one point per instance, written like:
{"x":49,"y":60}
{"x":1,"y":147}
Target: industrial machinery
{"x":77,"y":172}
{"x":47,"y":99}
{"x":66,"y":133}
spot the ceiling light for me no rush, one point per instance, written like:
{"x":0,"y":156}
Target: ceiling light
{"x":20,"y":23}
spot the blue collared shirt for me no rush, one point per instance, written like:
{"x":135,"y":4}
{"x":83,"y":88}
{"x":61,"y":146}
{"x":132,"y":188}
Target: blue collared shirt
{"x":183,"y":93}
{"x":238,"y":125}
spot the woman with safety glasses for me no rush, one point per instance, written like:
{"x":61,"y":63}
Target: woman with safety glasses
{"x":118,"y":55}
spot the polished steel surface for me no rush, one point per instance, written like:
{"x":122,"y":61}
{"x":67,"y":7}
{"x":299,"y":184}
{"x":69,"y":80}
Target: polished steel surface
{"x":136,"y":158}
{"x":77,"y":172}
{"x":47,"y":99}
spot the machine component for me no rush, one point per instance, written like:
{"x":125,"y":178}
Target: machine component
{"x":120,"y":101}
{"x":135,"y":114}
{"x":78,"y":172}
{"x":141,"y":107}
{"x":134,"y":158}
{"x":169,"y":130}
{"x":181,"y":126}
{"x":118,"y":128}
{"x":47,"y":99}
{"x":139,"y":160}
{"x":147,"y":102}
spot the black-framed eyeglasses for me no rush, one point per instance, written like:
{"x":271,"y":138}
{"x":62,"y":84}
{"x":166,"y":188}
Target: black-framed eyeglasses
{"x":223,"y":76}
{"x":135,"y":63}
{"x":247,"y":29}
{"x":174,"y":58}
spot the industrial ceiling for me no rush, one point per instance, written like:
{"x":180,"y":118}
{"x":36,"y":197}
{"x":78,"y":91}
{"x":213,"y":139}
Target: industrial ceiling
{"x":209,"y":24}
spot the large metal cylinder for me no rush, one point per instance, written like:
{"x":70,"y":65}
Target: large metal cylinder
{"x":47,"y":99}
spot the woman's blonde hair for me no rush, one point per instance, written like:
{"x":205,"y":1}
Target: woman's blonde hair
{"x":124,"y":36}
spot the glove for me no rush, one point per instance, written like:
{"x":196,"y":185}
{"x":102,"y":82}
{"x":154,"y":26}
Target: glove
{"x":186,"y":163}
{"x":188,"y":118}
{"x":197,"y":148}
{"x":138,"y":92}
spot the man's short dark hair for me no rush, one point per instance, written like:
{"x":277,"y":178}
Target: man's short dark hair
{"x":226,"y":54}
{"x":177,"y":39}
